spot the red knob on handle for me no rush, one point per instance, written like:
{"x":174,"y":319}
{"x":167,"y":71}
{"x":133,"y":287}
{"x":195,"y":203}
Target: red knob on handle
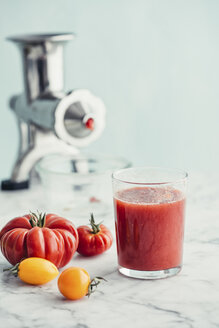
{"x":90,"y":123}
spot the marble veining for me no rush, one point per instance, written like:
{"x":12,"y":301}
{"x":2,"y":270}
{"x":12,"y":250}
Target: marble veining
{"x":188,"y":300}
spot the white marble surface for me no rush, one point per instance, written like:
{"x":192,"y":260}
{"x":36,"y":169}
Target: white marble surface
{"x":188,"y":300}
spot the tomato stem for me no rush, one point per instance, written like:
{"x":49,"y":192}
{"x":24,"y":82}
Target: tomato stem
{"x":37,"y":220}
{"x":93,"y":285}
{"x":14,"y":270}
{"x":95,"y":227}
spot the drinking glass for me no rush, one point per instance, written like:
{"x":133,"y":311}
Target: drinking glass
{"x":149,"y":206}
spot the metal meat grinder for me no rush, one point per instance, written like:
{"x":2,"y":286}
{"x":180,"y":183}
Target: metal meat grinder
{"x":49,"y":120}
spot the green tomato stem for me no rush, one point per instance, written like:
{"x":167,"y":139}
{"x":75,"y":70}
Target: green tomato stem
{"x":13,"y":270}
{"x":37,"y":220}
{"x":93,"y":285}
{"x":95,"y":227}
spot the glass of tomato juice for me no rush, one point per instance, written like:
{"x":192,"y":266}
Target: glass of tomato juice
{"x":149,"y":205}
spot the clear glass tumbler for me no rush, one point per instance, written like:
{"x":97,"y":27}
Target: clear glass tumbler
{"x":149,"y":205}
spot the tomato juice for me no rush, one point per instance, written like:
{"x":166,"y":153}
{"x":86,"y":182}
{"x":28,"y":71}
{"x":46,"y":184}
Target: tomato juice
{"x":149,"y":228}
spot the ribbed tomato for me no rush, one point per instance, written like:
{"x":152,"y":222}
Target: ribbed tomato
{"x":47,"y":236}
{"x":94,"y":240}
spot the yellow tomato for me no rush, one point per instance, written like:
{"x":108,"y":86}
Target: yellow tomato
{"x":73,"y":283}
{"x":37,"y":271}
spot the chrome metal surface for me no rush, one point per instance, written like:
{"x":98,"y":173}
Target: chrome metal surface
{"x":50,"y":120}
{"x":42,"y":57}
{"x":42,"y":143}
{"x":72,"y":113}
{"x":66,"y":117}
{"x":36,"y":38}
{"x":40,"y":112}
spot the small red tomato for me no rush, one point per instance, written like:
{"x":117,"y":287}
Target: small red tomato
{"x":94,"y":240}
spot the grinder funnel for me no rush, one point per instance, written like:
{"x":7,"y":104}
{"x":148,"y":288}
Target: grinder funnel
{"x":42,"y":56}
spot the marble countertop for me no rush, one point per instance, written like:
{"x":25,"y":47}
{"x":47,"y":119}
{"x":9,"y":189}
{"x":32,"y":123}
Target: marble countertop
{"x":190,"y":299}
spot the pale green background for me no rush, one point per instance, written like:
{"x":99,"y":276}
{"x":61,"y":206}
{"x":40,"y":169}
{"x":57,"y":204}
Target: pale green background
{"x":154,"y":63}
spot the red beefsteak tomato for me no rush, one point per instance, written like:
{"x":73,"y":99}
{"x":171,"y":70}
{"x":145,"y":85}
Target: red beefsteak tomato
{"x":48,"y":236}
{"x":94,"y":240}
